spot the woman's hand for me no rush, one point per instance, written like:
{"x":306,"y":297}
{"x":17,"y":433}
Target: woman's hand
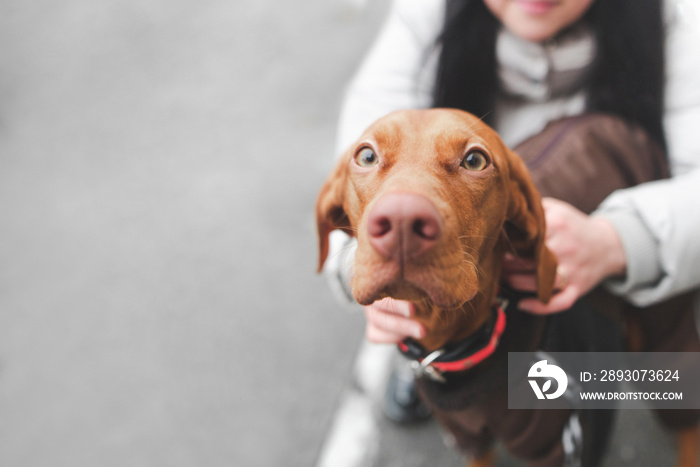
{"x":587,"y":248}
{"x":389,"y":321}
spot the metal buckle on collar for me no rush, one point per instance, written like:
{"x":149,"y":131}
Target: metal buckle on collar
{"x":422,"y":369}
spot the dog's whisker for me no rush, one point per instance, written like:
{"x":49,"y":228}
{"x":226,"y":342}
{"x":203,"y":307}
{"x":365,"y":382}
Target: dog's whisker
{"x":480,"y":119}
{"x":477,"y":259}
{"x":466,"y":237}
{"x":339,"y":253}
{"x":511,"y":248}
{"x":474,"y":263}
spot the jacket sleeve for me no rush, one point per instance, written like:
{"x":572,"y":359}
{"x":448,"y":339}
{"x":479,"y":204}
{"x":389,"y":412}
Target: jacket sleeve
{"x":397,"y":73}
{"x":658,"y":222}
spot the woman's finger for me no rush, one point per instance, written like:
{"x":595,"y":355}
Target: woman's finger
{"x":389,"y":325}
{"x":524,"y":282}
{"x":511,"y":264}
{"x":379,"y":336}
{"x":396,"y":307}
{"x":559,"y":302}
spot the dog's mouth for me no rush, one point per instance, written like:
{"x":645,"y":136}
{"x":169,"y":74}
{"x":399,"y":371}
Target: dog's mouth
{"x":405,"y":290}
{"x":446,"y":286}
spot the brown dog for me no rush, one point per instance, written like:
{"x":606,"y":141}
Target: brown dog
{"x":435,"y":199}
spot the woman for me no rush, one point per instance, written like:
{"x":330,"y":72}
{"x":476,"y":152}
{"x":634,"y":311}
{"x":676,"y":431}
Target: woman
{"x":524,"y":63}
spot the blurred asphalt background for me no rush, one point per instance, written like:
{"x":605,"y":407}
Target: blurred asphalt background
{"x":158,"y":301}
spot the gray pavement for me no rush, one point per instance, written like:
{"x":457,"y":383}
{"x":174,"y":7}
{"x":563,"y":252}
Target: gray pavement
{"x":158,"y":298}
{"x":158,"y":301}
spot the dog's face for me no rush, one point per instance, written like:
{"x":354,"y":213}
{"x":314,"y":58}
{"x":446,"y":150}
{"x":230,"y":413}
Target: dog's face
{"x":434,"y":198}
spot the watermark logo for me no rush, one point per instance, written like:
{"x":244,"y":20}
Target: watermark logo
{"x":542,"y":370}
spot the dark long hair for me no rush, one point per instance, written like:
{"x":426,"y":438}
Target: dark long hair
{"x":627,"y":77}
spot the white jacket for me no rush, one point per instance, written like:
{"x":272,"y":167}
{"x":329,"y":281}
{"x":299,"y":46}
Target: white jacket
{"x":658,"y":222}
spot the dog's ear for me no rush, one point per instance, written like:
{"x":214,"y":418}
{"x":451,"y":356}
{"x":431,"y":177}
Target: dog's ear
{"x":525,"y":226}
{"x":330,"y":211}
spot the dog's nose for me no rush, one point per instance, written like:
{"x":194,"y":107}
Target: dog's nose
{"x":403,"y":225}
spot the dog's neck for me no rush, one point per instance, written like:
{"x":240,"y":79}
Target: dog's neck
{"x":444,"y":326}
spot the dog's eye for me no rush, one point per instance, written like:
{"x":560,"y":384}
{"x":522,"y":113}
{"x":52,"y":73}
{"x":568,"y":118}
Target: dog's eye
{"x":475,"y":160}
{"x":366,"y":158}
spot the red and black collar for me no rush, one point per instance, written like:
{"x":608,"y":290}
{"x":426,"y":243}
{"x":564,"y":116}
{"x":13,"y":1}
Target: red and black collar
{"x":461,"y":355}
